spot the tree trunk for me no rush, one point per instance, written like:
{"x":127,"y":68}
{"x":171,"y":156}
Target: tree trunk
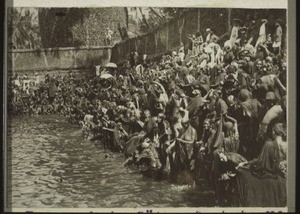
{"x":181,"y":28}
{"x":87,"y":36}
{"x":229,"y":19}
{"x":144,"y":18}
{"x":136,"y":21}
{"x":127,"y":16}
{"x":156,"y":13}
{"x":198,"y":12}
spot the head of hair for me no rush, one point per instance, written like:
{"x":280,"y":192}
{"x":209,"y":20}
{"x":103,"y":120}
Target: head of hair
{"x":279,"y":130}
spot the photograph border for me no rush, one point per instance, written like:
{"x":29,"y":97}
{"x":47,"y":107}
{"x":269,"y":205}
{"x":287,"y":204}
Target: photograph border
{"x":291,"y":85}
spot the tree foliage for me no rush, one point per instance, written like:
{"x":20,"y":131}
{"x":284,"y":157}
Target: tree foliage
{"x":23,"y":29}
{"x":73,"y":27}
{"x":156,"y":17}
{"x":56,"y":24}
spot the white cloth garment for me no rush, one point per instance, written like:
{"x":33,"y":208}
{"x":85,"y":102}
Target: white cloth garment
{"x":277,"y":37}
{"x":234,"y":34}
{"x":262,"y":34}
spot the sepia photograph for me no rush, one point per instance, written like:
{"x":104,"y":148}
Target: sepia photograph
{"x":147,"y":108}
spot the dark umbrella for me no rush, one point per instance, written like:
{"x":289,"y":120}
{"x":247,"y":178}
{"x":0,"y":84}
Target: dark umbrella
{"x":204,"y":88}
{"x":238,"y":21}
{"x":279,"y":21}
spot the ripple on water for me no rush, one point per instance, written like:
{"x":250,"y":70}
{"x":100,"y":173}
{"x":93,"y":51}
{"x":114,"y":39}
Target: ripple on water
{"x":53,"y":166}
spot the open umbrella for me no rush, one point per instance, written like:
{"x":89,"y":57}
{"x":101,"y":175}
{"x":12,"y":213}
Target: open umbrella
{"x":111,"y":65}
{"x":106,"y":76}
{"x":280,"y":21}
{"x":238,"y":21}
{"x":203,"y":87}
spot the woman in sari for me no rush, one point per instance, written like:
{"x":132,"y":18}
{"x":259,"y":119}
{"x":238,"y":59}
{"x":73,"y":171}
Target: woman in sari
{"x":260,"y":182}
{"x":200,"y":150}
{"x":279,"y":135}
{"x":181,"y":150}
{"x":225,"y":159}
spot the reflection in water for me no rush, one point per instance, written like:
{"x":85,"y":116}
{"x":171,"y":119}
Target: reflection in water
{"x":53,"y":166}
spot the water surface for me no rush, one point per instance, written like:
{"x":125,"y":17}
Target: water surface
{"x":53,"y":166}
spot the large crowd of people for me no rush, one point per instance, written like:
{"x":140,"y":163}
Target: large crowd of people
{"x":216,"y":112}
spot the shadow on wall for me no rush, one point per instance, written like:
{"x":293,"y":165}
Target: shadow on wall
{"x":89,"y":59}
{"x":58,"y":58}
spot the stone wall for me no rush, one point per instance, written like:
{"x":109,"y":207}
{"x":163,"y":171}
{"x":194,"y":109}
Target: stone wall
{"x":57,"y":60}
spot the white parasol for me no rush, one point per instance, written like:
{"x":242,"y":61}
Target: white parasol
{"x":111,"y":65}
{"x":106,"y":76}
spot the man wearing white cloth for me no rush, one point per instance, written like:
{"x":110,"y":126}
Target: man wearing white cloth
{"x":277,"y":37}
{"x":262,"y":36}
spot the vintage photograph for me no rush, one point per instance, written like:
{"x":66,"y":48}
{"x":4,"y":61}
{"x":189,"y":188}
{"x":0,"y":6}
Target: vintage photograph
{"x":132,"y":107}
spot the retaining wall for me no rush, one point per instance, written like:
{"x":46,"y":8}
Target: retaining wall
{"x":57,"y":60}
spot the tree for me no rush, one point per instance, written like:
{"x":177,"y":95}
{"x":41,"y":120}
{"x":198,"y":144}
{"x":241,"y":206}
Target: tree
{"x":56,"y":26}
{"x":174,"y":11}
{"x":156,"y":17}
{"x":74,"y":27}
{"x":23,"y":29}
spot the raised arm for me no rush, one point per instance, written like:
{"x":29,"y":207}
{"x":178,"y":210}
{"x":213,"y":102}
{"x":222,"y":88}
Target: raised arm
{"x":281,"y":86}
